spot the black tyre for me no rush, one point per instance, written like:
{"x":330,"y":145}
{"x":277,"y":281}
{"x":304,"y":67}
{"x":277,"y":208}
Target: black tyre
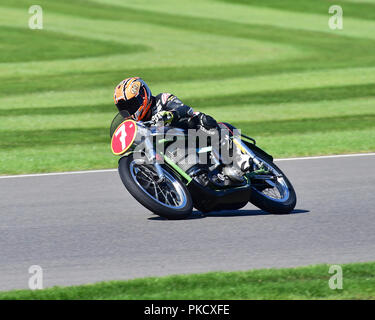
{"x":169,"y":199}
{"x":269,"y":201}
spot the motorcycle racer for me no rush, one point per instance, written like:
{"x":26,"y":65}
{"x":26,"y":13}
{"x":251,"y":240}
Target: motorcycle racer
{"x":133,"y":99}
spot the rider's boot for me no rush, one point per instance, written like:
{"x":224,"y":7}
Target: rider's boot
{"x":241,"y":164}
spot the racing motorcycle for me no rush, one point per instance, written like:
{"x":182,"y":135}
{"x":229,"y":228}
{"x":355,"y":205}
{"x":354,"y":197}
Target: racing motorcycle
{"x":170,"y":183}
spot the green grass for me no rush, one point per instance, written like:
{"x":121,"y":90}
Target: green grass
{"x":273,"y":68}
{"x":361,"y":10}
{"x":20,"y":45}
{"x":309,"y":282}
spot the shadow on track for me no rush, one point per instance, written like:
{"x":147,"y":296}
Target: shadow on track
{"x":228,"y":213}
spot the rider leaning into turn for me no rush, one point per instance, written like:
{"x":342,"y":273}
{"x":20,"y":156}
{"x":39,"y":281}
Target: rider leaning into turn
{"x":133,"y":98}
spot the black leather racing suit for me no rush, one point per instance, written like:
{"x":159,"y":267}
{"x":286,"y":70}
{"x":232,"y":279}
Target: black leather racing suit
{"x":183,"y":115}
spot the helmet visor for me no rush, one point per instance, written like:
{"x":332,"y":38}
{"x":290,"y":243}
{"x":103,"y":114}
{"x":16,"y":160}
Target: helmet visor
{"x":131,"y":105}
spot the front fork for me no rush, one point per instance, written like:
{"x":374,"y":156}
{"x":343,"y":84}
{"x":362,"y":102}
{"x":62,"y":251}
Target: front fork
{"x":152,"y":158}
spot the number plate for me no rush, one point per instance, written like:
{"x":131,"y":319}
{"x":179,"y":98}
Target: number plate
{"x":123,"y":137}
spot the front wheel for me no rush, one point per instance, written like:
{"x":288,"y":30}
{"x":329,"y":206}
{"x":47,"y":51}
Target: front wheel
{"x":169,"y":199}
{"x":275,"y":196}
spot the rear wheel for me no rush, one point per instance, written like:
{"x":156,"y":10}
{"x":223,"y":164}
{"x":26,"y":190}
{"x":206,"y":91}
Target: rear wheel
{"x":274,"y":195}
{"x":169,"y":199}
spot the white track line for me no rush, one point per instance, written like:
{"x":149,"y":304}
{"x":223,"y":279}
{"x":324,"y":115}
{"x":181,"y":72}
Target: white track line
{"x":329,"y":157}
{"x":113,"y":170}
{"x":56,"y":173}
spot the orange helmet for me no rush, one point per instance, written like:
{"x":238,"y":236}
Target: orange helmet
{"x":133,"y":98}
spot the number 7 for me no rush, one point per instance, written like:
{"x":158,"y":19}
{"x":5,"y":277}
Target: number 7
{"x":122,"y":136}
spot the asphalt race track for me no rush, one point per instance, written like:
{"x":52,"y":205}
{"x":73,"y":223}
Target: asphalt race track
{"x":83,"y":228}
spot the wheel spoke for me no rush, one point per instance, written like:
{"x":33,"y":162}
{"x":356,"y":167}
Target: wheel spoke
{"x":165,"y":195}
{"x":274,"y":189}
{"x":173,"y":196}
{"x":156,"y":192}
{"x":168,"y":192}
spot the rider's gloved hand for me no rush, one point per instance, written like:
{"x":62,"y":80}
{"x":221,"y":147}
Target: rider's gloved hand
{"x":163,"y":116}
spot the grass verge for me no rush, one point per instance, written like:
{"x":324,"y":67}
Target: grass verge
{"x":310,"y":282}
